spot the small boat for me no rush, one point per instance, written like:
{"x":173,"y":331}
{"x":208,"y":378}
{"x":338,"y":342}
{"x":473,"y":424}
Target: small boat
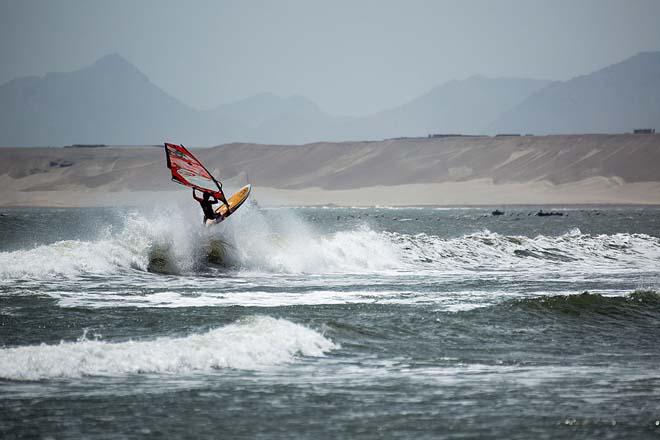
{"x":548,"y":214}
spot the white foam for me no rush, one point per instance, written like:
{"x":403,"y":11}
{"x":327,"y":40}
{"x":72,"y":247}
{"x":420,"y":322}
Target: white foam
{"x":281,"y":242}
{"x":342,"y":252}
{"x":571,"y":252}
{"x":253,"y":343}
{"x":68,"y":258}
{"x":170,"y":299}
{"x":130,"y":248}
{"x":284,"y":243}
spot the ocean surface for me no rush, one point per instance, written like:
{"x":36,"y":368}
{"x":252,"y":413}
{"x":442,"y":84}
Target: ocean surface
{"x":330,"y":323}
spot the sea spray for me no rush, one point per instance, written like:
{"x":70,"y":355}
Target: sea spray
{"x":283,"y":242}
{"x":570,"y":252}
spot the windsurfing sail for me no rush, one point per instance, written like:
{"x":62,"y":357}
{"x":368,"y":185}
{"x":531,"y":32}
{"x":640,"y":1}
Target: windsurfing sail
{"x":188,"y":170}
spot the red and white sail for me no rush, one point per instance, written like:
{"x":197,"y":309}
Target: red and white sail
{"x":188,"y":170}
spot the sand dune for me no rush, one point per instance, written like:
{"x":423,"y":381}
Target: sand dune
{"x":446,"y":171}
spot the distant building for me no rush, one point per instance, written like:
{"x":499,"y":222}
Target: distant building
{"x":644,"y":131}
{"x":403,"y":138}
{"x":448,"y":135}
{"x":85,"y":146}
{"x":443,"y":135}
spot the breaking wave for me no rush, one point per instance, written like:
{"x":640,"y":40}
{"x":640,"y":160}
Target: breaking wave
{"x":254,"y":343}
{"x":574,"y":250}
{"x":283,"y":243}
{"x":576,"y":320}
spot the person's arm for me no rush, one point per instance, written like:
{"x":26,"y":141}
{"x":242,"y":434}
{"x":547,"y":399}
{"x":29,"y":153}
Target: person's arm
{"x":199,"y":199}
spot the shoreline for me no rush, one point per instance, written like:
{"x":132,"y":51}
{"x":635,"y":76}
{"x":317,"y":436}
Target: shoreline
{"x":477,"y":193}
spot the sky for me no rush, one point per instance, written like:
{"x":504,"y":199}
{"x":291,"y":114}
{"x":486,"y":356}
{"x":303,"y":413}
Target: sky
{"x":350,"y":57}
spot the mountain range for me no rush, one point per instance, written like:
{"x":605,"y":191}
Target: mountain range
{"x":112,"y":102}
{"x":616,"y":99}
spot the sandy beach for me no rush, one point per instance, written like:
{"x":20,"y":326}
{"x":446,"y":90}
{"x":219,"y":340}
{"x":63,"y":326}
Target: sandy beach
{"x":567,"y":169}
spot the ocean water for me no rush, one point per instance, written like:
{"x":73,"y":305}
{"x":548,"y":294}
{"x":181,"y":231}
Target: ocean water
{"x":330,"y":323}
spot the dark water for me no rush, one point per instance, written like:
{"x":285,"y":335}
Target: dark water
{"x":330,"y":323}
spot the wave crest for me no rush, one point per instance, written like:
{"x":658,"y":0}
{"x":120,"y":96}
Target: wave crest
{"x":254,"y":343}
{"x":487,"y":250}
{"x":284,"y":243}
{"x":586,"y":302}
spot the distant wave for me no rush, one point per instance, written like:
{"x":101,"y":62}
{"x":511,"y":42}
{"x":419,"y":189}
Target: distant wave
{"x":254,"y":343}
{"x":572,"y":251}
{"x":635,"y":312}
{"x":639,"y":300}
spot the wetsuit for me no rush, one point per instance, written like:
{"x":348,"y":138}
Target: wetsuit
{"x":207,"y":206}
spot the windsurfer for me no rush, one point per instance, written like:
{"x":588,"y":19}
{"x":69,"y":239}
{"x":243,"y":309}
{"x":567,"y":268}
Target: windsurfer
{"x":188,"y":170}
{"x":207,"y":203}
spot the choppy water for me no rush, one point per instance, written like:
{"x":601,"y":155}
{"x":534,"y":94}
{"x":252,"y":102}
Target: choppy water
{"x":330,"y":323}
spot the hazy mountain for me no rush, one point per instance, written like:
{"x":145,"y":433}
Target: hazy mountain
{"x":112,"y":102}
{"x":258,"y":109}
{"x":466,"y":106}
{"x":616,"y":99}
{"x":108,"y":102}
{"x":266,"y":117}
